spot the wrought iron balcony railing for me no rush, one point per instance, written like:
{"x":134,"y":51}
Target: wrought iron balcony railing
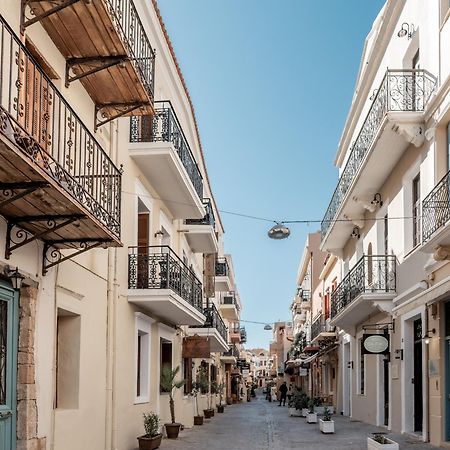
{"x":317,"y":326}
{"x":36,"y":118}
{"x":371,"y":274}
{"x":159,"y":267}
{"x":165,"y":127}
{"x":214,"y":320}
{"x":233,"y":351}
{"x":229,"y":298}
{"x":400,"y":91}
{"x":243,"y":332}
{"x":303,"y":295}
{"x":436,"y":208}
{"x":207,"y":219}
{"x":129,"y":26}
{"x":222,"y":268}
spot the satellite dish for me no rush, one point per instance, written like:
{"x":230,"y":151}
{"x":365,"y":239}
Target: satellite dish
{"x":279,"y":231}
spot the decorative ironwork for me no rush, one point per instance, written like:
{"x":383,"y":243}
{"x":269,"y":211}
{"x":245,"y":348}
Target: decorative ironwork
{"x":3,"y":349}
{"x":11,"y":192}
{"x":317,"y":326}
{"x":436,"y":208}
{"x":36,"y":119}
{"x":159,"y":267}
{"x":222,"y":268}
{"x":214,"y":320}
{"x":371,"y":274}
{"x":207,"y":219}
{"x":127,"y":24}
{"x":400,"y":90}
{"x":232,"y":352}
{"x":243,"y":332}
{"x":165,"y":127}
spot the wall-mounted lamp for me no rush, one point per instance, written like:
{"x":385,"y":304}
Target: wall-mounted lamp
{"x":355,"y":233}
{"x":159,"y":233}
{"x":399,"y":354}
{"x":427,"y":336}
{"x":15,"y":277}
{"x":377,"y":201}
{"x":374,"y":93}
{"x":406,"y":30}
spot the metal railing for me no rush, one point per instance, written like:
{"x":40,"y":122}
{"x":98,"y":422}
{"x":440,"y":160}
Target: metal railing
{"x":135,"y":39}
{"x":243,"y":332}
{"x":214,"y":320}
{"x":36,"y":119}
{"x":207,"y":219}
{"x":371,"y":274}
{"x":317,"y":326}
{"x":400,"y":90}
{"x":222,"y":268}
{"x":165,"y":127}
{"x":436,"y":208}
{"x":159,"y":267}
{"x":229,"y":298}
{"x":233,"y":351}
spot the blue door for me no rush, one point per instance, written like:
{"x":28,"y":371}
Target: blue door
{"x":8,"y":363}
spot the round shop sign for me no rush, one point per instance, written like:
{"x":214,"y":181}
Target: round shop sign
{"x":376,"y":343}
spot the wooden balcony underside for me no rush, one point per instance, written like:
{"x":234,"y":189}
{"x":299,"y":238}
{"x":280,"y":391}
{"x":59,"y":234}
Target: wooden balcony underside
{"x":51,"y":201}
{"x":86,"y":31}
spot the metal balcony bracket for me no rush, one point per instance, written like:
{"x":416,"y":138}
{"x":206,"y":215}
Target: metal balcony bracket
{"x":18,"y":234}
{"x":383,"y":326}
{"x":53,"y":256}
{"x":119,"y":110}
{"x":58,"y":5}
{"x":89,"y":66}
{"x":10,"y":192}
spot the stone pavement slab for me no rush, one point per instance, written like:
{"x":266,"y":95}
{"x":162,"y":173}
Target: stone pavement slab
{"x":260,"y":425}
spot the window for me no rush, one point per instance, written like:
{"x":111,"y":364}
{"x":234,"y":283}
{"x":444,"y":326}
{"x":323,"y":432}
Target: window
{"x":416,"y":210}
{"x":187,"y":375}
{"x":166,"y":356}
{"x":386,"y":235}
{"x":142,"y":358}
{"x":362,"y":374}
{"x":67,"y":359}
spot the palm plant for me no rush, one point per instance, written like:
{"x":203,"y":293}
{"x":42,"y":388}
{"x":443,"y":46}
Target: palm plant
{"x":168,"y":383}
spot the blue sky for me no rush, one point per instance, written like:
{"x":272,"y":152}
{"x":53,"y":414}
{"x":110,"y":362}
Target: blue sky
{"x":271,"y":83}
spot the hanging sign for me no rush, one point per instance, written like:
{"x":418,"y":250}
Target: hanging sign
{"x":196,"y":347}
{"x":375,"y":344}
{"x":209,"y":268}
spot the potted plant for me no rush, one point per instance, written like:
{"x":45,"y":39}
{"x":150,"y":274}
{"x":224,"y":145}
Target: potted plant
{"x":152,"y":437}
{"x":220,"y":389}
{"x":379,"y":442}
{"x":212,"y":391}
{"x":318,"y":405}
{"x":202,"y":385}
{"x":295,"y":404}
{"x":326,"y":424}
{"x":311,"y":417}
{"x":168,"y":384}
{"x":304,"y":405}
{"x":198,"y":419}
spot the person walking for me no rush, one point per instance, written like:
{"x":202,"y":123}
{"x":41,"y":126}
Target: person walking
{"x":283,"y":391}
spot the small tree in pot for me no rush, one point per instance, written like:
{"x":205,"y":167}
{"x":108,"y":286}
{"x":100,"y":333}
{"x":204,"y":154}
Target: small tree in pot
{"x":220,"y":389}
{"x":152,"y":437}
{"x":202,"y":385}
{"x":311,"y":417}
{"x":326,"y":424}
{"x":168,"y":384}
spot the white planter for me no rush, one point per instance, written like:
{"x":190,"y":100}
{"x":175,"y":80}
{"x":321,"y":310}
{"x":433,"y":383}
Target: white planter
{"x":319,"y":410}
{"x":373,"y":445}
{"x":305,"y":412}
{"x":326,"y":426}
{"x":295,"y":412}
{"x":311,"y":418}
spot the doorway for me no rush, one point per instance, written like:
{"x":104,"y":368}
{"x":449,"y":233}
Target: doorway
{"x":143,"y":241}
{"x":418,"y":376}
{"x":386,"y":390}
{"x":9,"y":320}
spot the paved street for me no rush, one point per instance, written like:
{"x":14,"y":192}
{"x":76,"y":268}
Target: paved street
{"x":260,"y":425}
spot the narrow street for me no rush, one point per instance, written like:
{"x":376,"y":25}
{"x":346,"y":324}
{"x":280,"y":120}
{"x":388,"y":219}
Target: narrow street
{"x":260,"y":425}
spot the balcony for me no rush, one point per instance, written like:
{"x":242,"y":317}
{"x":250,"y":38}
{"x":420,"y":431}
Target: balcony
{"x":243,"y":332}
{"x":321,"y":330}
{"x":57,"y":183}
{"x":435,"y":219}
{"x":234,"y":332}
{"x":394,"y":121}
{"x":223,"y":275}
{"x":160,"y":283}
{"x":106,"y":48}
{"x":231,"y":355}
{"x":201,"y":233}
{"x":303,"y":300}
{"x":229,"y":305}
{"x":159,"y":147}
{"x":214,"y":329}
{"x":368,"y":288}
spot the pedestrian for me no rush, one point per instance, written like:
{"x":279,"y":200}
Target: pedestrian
{"x":283,"y":391}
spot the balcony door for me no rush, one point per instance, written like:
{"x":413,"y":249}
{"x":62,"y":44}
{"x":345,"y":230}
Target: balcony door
{"x":418,"y":376}
{"x":8,"y":364}
{"x":143,"y":240}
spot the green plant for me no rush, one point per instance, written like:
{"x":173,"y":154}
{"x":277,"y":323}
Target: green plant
{"x":168,"y":384}
{"x":318,"y":401}
{"x":151,"y":424}
{"x":311,"y":406}
{"x":298,"y":400}
{"x":220,"y":388}
{"x":326,"y":414}
{"x":380,"y":438}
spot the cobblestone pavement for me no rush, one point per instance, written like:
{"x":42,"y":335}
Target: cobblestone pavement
{"x":260,"y":425}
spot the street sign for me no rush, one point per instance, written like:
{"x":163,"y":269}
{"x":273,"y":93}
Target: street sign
{"x":375,"y":344}
{"x":209,"y":269}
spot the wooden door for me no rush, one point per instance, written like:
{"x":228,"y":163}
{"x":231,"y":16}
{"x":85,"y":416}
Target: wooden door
{"x":143,"y":239}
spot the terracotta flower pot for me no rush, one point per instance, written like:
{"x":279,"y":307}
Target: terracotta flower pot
{"x":172,"y":430}
{"x":149,"y":443}
{"x":198,"y":420}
